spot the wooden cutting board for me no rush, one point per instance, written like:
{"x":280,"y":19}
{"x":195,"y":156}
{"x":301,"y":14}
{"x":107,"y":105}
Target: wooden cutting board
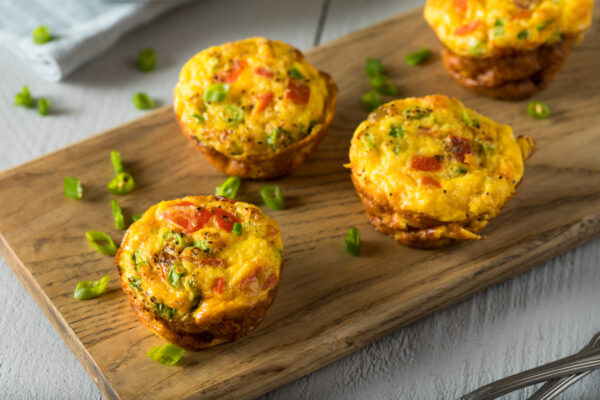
{"x":329,"y":303}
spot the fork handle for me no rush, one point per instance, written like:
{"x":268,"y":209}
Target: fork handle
{"x":557,"y":369}
{"x":551,"y":389}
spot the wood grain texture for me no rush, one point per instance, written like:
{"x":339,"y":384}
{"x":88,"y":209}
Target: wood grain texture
{"x":329,"y":303}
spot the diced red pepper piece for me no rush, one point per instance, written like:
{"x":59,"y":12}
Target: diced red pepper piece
{"x":426,"y":163}
{"x":225,"y":220}
{"x":429,"y":180}
{"x":264,"y":71}
{"x":460,"y":5}
{"x":219,"y":287}
{"x":470,"y":27}
{"x":187,"y":217}
{"x":263,"y":101}
{"x":297,"y":92}
{"x":232,"y":75}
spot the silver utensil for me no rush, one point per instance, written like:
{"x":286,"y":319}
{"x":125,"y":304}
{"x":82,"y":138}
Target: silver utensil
{"x":581,"y":362}
{"x":554,"y":387}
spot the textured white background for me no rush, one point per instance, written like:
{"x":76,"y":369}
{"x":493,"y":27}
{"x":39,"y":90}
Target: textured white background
{"x":546,"y":313}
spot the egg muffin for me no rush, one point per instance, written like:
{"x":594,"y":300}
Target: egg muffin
{"x":507,"y":49}
{"x":256,"y":108}
{"x":200,"y":271}
{"x":431,"y":172}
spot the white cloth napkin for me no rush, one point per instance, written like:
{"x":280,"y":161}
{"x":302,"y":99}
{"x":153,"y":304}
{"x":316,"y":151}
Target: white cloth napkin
{"x":81,"y":30}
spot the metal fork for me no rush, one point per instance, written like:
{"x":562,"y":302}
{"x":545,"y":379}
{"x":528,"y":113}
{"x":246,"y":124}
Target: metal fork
{"x":582,"y":362}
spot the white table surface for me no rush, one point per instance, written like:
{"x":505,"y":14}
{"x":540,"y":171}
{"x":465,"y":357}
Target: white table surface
{"x":541,"y":315}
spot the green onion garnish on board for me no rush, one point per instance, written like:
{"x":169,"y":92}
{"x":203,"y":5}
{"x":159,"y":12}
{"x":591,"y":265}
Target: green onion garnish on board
{"x":117,"y":215}
{"x":229,"y":187}
{"x":115,"y":159}
{"x":90,"y":289}
{"x":167,"y":354}
{"x":142,"y":101}
{"x":538,"y":109}
{"x":101,"y":242}
{"x":371,"y":100}
{"x":352,"y":240}
{"x":72,"y":188}
{"x":147,"y":60}
{"x":273,"y":197}
{"x":418,"y":57}
{"x":374,"y":68}
{"x":121,"y":184}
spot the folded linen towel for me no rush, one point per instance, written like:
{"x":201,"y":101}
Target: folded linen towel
{"x":81,"y":30}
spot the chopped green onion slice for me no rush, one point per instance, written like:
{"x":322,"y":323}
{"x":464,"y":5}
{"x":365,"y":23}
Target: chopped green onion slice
{"x":90,"y":289}
{"x":294,"y":73}
{"x":135,"y":283}
{"x":41,"y":35}
{"x":374,"y":68}
{"x":234,"y":114}
{"x":237,"y":229}
{"x":416,"y":112}
{"x":396,"y":131}
{"x":472,"y":122}
{"x":72,"y":188}
{"x":371,"y":100}
{"x":216,"y":93}
{"x":383,"y":85}
{"x":135,"y":217}
{"x":147,"y":60}
{"x":24,"y":98}
{"x":353,"y":242}
{"x":199,"y":118}
{"x":121,"y":184}
{"x":142,"y":101}
{"x":202,"y":245}
{"x":115,"y":159}
{"x":417,"y":57}
{"x":273,"y":197}
{"x":229,"y":187}
{"x":368,"y":141}
{"x":543,"y":25}
{"x":167,"y":354}
{"x":43,"y":106}
{"x":174,"y":277}
{"x":101,"y":242}
{"x":523,"y":35}
{"x":498,"y":29}
{"x":538,"y":109}
{"x":117,"y":215}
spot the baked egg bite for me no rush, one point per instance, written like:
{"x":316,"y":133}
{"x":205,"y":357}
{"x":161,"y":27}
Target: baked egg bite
{"x":256,"y":108}
{"x":507,"y":49}
{"x":200,"y":271}
{"x":431,"y":172}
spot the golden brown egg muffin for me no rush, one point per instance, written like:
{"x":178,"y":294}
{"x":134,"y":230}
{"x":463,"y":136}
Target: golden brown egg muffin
{"x":507,"y":49}
{"x":273,"y":111}
{"x":431,"y":172}
{"x":191,"y":278}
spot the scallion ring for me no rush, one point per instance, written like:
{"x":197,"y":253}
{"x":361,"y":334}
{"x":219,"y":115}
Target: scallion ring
{"x":353,"y":242}
{"x":24,"y":98}
{"x":216,"y":93}
{"x":538,"y":109}
{"x":41,"y":35}
{"x":121,"y":184}
{"x":117,"y":215}
{"x":147,"y":60}
{"x":167,"y":354}
{"x":229,"y":187}
{"x":272,"y":197}
{"x":72,"y":188}
{"x":371,"y":100}
{"x":90,"y":289}
{"x":43,"y":105}
{"x":101,"y":242}
{"x":135,"y":217}
{"x":115,"y":159}
{"x":418,"y":57}
{"x":374,"y":68}
{"x":237,"y":229}
{"x":142,"y":101}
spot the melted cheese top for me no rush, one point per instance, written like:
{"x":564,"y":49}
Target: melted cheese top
{"x":184,"y":262}
{"x":433,"y":156}
{"x":275,"y":97}
{"x":481,"y":28}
